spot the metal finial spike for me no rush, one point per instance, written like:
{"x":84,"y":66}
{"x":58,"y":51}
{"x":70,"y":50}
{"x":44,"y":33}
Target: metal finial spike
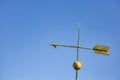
{"x":78,"y":43}
{"x":78,"y":34}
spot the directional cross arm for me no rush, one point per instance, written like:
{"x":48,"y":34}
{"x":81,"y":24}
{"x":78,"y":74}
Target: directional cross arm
{"x":98,"y":49}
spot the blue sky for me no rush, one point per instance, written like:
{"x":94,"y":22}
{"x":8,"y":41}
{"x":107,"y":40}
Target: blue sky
{"x":27,"y":27}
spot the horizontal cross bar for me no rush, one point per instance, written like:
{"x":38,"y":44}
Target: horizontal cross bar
{"x":96,"y":50}
{"x":62,"y":45}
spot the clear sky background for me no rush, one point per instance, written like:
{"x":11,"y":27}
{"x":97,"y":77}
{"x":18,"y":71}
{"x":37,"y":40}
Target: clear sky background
{"x":27,"y":27}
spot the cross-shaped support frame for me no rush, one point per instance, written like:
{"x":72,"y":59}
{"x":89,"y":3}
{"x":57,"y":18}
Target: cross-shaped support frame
{"x":99,"y":49}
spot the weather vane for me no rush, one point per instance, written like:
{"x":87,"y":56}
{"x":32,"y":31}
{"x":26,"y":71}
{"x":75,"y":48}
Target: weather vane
{"x":98,"y":49}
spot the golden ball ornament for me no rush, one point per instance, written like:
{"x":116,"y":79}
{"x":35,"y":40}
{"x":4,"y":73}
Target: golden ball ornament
{"x":77,"y":65}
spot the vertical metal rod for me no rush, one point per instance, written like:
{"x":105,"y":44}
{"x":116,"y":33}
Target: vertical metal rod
{"x":78,"y":44}
{"x":77,"y":53}
{"x":76,"y":75}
